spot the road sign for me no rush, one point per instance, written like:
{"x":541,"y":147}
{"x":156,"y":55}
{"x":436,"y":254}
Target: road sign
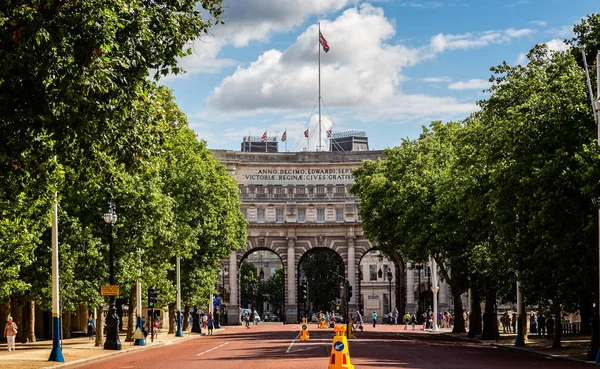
{"x":109,"y":290}
{"x":338,"y":346}
{"x":217,"y":302}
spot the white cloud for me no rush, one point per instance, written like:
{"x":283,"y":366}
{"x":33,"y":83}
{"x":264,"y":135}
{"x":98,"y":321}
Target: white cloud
{"x":557,"y":45}
{"x":443,"y":42}
{"x":472,"y":84}
{"x":436,"y":79}
{"x":421,"y":4}
{"x":522,"y":58}
{"x":539,"y":23}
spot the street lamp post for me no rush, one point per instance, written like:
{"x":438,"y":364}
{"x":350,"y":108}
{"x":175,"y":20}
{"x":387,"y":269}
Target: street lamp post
{"x":389,"y":277}
{"x":223,"y":273}
{"x":419,"y":267}
{"x":112,"y":320}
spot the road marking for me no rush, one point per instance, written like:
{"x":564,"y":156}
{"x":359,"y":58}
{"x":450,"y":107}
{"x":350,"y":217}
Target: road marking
{"x":292,"y":344}
{"x":214,"y":348}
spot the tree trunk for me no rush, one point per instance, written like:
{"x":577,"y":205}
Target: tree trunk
{"x":172,"y":318}
{"x":29,"y":323}
{"x":475,"y":313}
{"x":459,"y":319}
{"x":587,"y":313}
{"x":66,"y":325}
{"x":557,"y":330}
{"x":490,"y":321}
{"x":186,"y":318}
{"x":131,"y":313}
{"x":99,"y":327}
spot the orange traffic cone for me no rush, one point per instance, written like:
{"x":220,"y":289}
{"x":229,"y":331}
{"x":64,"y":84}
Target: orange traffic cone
{"x":304,"y":332}
{"x":340,"y":356}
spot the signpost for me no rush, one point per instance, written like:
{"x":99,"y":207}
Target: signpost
{"x":109,"y":290}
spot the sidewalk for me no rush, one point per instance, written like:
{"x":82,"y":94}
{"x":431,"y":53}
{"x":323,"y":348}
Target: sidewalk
{"x":75,"y":350}
{"x":573,"y":347}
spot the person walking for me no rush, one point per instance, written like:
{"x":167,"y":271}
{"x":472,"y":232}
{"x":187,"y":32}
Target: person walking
{"x":10,"y":332}
{"x":406,"y":319}
{"x":374,"y":317}
{"x":413,"y":321}
{"x":541,"y":325}
{"x":395,"y":315}
{"x":90,"y":327}
{"x":191,"y":322}
{"x":211,"y":324}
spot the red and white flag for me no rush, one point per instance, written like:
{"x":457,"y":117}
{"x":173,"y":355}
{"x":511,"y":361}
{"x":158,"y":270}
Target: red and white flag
{"x":306,"y":133}
{"x":323,"y":42}
{"x":329,"y":133}
{"x":264,"y":137}
{"x":284,"y":136}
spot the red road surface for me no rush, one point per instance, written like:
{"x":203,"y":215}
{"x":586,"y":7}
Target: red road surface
{"x":276,"y":347}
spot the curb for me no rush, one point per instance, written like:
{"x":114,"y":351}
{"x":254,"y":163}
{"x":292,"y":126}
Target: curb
{"x":522,"y":349}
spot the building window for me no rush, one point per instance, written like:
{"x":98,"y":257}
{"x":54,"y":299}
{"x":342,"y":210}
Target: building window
{"x":372,"y":272}
{"x":279,"y":215}
{"x":320,"y":190}
{"x":245,"y":213}
{"x":339,"y":215}
{"x":340,"y":190}
{"x":320,"y":215}
{"x":260,"y":190}
{"x":301,"y":190}
{"x":301,"y":215}
{"x":261,"y":215}
{"x":279,"y":190}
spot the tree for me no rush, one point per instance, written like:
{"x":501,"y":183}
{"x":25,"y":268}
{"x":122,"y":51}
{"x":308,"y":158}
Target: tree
{"x":324,"y":272}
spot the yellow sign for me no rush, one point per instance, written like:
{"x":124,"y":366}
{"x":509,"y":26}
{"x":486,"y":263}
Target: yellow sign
{"x":109,"y":290}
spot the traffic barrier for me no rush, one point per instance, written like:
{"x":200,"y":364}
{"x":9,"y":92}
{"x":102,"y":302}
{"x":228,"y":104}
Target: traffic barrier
{"x":304,"y":331}
{"x":322,"y":324}
{"x":340,"y":356}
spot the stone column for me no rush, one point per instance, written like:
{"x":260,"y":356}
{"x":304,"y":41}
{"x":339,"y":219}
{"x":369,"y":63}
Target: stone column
{"x":353,"y":305}
{"x":411,"y":306}
{"x":233,"y":308}
{"x":443,"y":301}
{"x":291,"y":309}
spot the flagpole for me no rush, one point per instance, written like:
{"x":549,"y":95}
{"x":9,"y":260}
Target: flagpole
{"x":249,"y":142}
{"x":285,"y":139}
{"x":266,"y":140}
{"x":319,"y":44}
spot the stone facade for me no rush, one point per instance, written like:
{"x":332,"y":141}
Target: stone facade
{"x":294,"y":203}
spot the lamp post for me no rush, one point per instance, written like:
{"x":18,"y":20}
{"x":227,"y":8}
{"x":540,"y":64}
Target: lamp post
{"x":178,"y":331}
{"x":223,"y":273}
{"x":389,"y":277}
{"x":419,"y":267}
{"x":56,"y":353}
{"x":112,"y":320}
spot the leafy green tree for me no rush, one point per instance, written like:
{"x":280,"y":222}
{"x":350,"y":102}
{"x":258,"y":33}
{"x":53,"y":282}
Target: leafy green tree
{"x":249,"y":284}
{"x":324,"y":273}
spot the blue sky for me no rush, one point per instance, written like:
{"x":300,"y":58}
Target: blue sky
{"x":394,"y":65}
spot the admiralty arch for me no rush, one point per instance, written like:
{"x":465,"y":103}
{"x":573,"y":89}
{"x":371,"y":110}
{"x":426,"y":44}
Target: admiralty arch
{"x":296,"y":202}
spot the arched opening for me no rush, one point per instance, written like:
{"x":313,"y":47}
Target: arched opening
{"x":262,"y":285}
{"x":380,"y":287}
{"x":321,"y":274}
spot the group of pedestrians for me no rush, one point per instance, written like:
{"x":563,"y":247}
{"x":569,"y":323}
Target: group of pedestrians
{"x":542,"y":326}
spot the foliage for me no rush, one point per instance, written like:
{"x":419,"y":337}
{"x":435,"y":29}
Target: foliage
{"x":324,"y":272}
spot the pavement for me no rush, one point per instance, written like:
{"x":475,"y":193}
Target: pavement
{"x":82,"y":351}
{"x":77,"y":350}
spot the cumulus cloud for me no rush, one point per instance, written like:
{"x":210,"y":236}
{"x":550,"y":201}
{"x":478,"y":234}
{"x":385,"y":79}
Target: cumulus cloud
{"x":436,"y":79}
{"x":421,"y":4}
{"x":557,"y":45}
{"x":477,"y":84}
{"x":254,"y":20}
{"x":539,"y":23}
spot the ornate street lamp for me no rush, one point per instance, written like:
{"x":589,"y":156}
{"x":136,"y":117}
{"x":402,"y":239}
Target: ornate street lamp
{"x":112,"y":320}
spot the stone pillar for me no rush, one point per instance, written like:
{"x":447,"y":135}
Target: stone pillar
{"x":411,"y":306}
{"x":291,"y":308}
{"x":353,"y":305}
{"x":233,"y":308}
{"x":443,"y":301}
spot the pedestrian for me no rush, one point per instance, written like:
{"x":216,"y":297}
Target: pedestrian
{"x":90,"y":327}
{"x":514,"y":323}
{"x":247,"y":320}
{"x":413,"y":321}
{"x":541,"y":325}
{"x":532,"y":324}
{"x":424,"y":316}
{"x":550,"y":327}
{"x":395,"y":316}
{"x":359,"y":321}
{"x":374,"y":317}
{"x":191,"y":321}
{"x":10,"y":332}
{"x":406,"y":320}
{"x":156,"y":326}
{"x":211,"y":323}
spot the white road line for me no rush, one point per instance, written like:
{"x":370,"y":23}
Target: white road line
{"x":214,"y":348}
{"x":292,"y":344}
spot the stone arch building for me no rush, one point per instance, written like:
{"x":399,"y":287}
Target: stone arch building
{"x":295,"y":202}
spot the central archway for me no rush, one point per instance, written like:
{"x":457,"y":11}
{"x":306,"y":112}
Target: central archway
{"x":322,"y":271}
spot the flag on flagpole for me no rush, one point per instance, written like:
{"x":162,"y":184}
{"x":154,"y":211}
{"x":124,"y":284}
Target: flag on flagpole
{"x":249,"y":139}
{"x":284,"y":136}
{"x":306,"y":133}
{"x":323,"y":42}
{"x":328,"y":133}
{"x":264,"y":137}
